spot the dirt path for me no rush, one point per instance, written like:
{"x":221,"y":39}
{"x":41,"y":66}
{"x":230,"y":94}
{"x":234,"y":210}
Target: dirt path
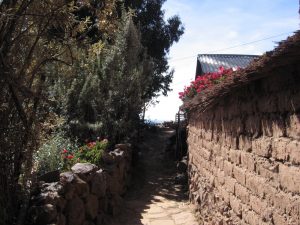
{"x":154,"y":199}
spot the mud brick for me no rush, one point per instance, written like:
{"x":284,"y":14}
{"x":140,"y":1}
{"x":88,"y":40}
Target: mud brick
{"x":235,"y":156}
{"x":293,"y":126}
{"x":239,"y":175}
{"x":279,"y":219}
{"x":279,"y":148}
{"x":281,"y":202}
{"x":248,"y":161}
{"x":242,"y":193}
{"x":257,"y":204}
{"x":224,"y":194}
{"x":228,"y":168}
{"x":251,"y":217}
{"x":221,"y":177}
{"x":293,"y":149}
{"x":229,"y":184}
{"x":220,"y":162}
{"x":262,"y":146}
{"x":290,"y":178}
{"x":255,"y":184}
{"x":236,"y":205}
{"x":245,"y":143}
{"x":224,"y":152}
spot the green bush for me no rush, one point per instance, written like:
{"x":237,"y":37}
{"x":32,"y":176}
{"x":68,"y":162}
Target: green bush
{"x":91,"y":152}
{"x":48,"y":157}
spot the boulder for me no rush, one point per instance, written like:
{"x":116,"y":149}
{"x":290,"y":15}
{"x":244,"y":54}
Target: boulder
{"x":81,"y":187}
{"x":85,"y":171}
{"x":45,"y":214}
{"x":91,"y":206}
{"x":182,"y":166}
{"x":75,"y":212}
{"x":66,"y":177}
{"x":99,"y":184}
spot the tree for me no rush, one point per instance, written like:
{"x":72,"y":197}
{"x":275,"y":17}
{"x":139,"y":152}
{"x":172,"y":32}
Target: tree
{"x":34,"y":35}
{"x":158,"y":36}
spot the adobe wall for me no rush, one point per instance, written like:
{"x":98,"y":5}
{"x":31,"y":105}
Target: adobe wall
{"x":244,"y":154}
{"x":86,"y":195}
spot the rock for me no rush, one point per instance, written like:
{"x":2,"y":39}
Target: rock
{"x":181,"y":179}
{"x":45,"y":214}
{"x":52,"y":187}
{"x":99,"y":219}
{"x":69,"y":191}
{"x":85,"y":171}
{"x":182,"y":166}
{"x":75,"y":212}
{"x":66,"y":177}
{"x":114,"y":205}
{"x":91,"y":206}
{"x":81,"y":187}
{"x":108,"y":158}
{"x":46,"y":198}
{"x":123,"y":147}
{"x":88,"y":223}
{"x":99,"y":184}
{"x":50,"y":177}
{"x":61,"y":220}
{"x":103,"y":204}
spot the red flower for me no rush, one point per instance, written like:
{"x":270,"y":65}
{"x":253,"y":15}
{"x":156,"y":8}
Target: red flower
{"x":65,"y":151}
{"x":91,"y":144}
{"x":70,"y":157}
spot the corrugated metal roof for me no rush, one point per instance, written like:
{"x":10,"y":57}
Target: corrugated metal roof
{"x":211,"y":62}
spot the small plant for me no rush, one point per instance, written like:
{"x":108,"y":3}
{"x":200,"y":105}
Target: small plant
{"x":91,"y":152}
{"x":48,"y":157}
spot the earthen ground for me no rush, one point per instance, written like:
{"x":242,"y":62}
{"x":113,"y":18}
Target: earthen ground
{"x":154,"y":198}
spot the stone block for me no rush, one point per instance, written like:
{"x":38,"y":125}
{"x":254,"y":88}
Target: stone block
{"x":236,"y":205}
{"x":293,"y":126}
{"x":262,"y":146}
{"x":99,"y":184}
{"x":248,"y":161}
{"x":245,"y":143}
{"x":290,"y":178}
{"x":251,"y":217}
{"x":255,"y":184}
{"x":235,"y":156}
{"x":242,"y":193}
{"x":75,"y":212}
{"x":228,"y":168}
{"x":279,"y":148}
{"x":239,"y":175}
{"x":229,"y":184}
{"x":279,"y":219}
{"x":293,"y":149}
{"x":257,"y":204}
{"x":91,"y":206}
{"x":85,"y":171}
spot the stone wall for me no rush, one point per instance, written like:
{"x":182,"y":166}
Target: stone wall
{"x":85,"y":195}
{"x":244,"y":154}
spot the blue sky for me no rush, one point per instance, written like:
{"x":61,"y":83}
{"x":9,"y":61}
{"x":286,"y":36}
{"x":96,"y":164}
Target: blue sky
{"x":212,"y":25}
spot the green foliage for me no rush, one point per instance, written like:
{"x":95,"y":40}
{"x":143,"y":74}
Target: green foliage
{"x":157,"y":36}
{"x":92,"y":152}
{"x":48,"y":157}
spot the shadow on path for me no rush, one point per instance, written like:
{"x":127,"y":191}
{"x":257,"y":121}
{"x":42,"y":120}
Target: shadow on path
{"x":153,"y":198}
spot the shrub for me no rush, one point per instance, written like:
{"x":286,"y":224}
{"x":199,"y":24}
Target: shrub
{"x":48,"y":157}
{"x":91,"y":152}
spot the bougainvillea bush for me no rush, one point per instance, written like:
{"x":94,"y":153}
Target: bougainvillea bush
{"x":203,"y":82}
{"x":91,"y":152}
